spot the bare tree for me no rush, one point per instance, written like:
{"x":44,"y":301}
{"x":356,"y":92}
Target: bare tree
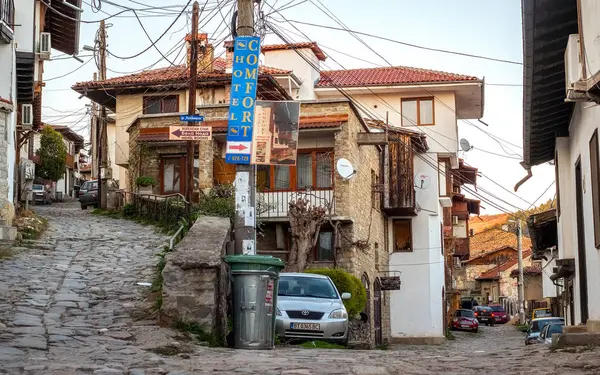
{"x":306,"y":220}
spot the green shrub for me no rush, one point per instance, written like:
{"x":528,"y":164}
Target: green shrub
{"x":145,"y":181}
{"x":219,"y":202}
{"x":346,"y":283}
{"x":129,"y":210}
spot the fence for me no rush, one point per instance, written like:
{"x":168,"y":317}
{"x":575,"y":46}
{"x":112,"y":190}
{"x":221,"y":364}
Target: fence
{"x":275,"y":204}
{"x":160,"y":208}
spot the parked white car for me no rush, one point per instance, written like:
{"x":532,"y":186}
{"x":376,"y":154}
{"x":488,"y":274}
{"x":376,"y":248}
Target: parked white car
{"x":549,"y":330}
{"x":310,"y":307}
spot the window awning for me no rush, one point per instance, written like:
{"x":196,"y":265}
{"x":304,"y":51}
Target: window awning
{"x":547,"y":25}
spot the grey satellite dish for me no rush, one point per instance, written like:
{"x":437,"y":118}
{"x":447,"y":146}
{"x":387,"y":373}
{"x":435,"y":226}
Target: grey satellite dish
{"x":345,"y":169}
{"x":465,"y":145}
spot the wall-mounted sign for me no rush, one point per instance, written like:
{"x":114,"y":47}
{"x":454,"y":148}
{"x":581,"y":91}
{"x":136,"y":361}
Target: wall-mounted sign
{"x":191,"y":118}
{"x":190,"y":133}
{"x":390,"y":283}
{"x":275,"y":139}
{"x":244,"y":78}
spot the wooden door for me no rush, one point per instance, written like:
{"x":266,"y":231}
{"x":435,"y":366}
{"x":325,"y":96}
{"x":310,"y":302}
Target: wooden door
{"x":377,"y":296}
{"x":583,"y":287}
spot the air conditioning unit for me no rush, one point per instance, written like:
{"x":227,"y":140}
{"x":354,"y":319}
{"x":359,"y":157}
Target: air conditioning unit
{"x":45,"y":46}
{"x":27,"y":114}
{"x":573,"y":71}
{"x":454,"y":220}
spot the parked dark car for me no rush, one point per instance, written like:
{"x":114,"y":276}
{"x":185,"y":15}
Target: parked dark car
{"x":484,"y":314}
{"x":465,"y":320}
{"x":537,"y":326}
{"x":88,"y":194}
{"x":468,"y":303}
{"x":500,"y":315}
{"x":40,"y":194}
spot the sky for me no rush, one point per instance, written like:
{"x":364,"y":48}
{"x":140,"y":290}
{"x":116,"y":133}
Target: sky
{"x":487,"y":28}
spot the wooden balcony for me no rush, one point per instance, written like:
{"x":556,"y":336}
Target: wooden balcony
{"x":7,"y":21}
{"x":398,"y":179}
{"x":70,"y":161}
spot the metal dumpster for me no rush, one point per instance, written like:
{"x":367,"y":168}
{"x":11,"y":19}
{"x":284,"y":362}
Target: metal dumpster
{"x":255,"y":282}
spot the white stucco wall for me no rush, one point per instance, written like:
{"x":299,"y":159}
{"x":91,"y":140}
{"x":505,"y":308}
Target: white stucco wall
{"x":7,"y":71}
{"x":416,"y":309}
{"x":590,"y":12}
{"x":290,"y":60}
{"x":583,"y":124}
{"x":549,"y":289}
{"x":25,"y":18}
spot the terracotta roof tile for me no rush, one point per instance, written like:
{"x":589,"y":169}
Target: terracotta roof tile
{"x":312,"y":45}
{"x":387,"y":76}
{"x":495,"y":272}
{"x":7,"y":101}
{"x":171,"y":74}
{"x":535,"y":270}
{"x":494,"y":239}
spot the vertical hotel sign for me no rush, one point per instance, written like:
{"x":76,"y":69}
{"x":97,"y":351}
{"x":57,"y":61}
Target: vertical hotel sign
{"x":244,"y":78}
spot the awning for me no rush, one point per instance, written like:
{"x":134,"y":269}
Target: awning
{"x":547,"y":25}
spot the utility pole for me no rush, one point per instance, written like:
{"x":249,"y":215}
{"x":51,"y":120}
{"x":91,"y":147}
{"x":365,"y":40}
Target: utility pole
{"x":94,"y":135}
{"x":103,"y":173}
{"x":245,"y":235}
{"x":192,"y":105}
{"x":521,"y":291}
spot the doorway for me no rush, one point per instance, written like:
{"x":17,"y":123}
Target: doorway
{"x":583,"y":292}
{"x":377,"y":311}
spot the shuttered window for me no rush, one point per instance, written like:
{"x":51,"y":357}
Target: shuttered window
{"x":595,"y":174}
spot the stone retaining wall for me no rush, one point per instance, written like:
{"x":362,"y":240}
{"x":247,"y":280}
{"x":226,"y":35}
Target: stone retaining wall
{"x":196,"y":285}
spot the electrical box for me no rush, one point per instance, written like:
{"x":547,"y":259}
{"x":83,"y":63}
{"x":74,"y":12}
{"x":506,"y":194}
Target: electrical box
{"x":106,"y":173}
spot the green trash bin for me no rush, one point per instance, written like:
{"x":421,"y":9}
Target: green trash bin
{"x":254,"y":292}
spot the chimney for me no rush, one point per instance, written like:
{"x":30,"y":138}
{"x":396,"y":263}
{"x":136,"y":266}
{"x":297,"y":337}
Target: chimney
{"x":206,"y":53}
{"x":228,"y":56}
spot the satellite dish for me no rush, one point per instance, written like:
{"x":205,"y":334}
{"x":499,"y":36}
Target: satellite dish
{"x":465,"y":145}
{"x":422,"y":181}
{"x":345,"y":169}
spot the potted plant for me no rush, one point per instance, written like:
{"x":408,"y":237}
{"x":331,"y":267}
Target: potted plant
{"x":145,"y":184}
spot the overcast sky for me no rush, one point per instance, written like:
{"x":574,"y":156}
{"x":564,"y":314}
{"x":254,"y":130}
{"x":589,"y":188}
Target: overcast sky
{"x":488,"y":28}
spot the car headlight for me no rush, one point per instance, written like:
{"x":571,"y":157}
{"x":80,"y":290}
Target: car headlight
{"x":338,"y":314}
{"x":279,"y":312}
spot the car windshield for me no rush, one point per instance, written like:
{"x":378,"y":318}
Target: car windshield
{"x":554,"y":328}
{"x":38,"y":188}
{"x":538,"y":325}
{"x":497,"y":308}
{"x":302,"y":286}
{"x":90,"y":185}
{"x":542,"y":313}
{"x":465,"y":313}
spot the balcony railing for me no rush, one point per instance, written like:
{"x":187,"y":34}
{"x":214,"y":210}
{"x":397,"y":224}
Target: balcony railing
{"x":7,"y":20}
{"x":275,"y":204}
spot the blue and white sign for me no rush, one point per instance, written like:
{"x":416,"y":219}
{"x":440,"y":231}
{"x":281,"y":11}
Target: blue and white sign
{"x":244,"y":78}
{"x":191,"y":118}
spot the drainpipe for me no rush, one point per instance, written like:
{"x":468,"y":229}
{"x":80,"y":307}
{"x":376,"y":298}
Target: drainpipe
{"x":524,"y":179}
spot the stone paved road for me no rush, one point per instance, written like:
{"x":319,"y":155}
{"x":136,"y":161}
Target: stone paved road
{"x":70,"y":304}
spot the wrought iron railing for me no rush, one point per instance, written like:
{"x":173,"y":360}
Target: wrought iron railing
{"x":7,"y":12}
{"x":166,"y":209}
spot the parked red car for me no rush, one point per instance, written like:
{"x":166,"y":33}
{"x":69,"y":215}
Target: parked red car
{"x":465,"y":320}
{"x":500,"y":315}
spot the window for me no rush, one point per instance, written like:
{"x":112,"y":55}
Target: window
{"x":172,"y":175}
{"x":313,"y":170}
{"x":325,"y":247}
{"x":418,"y":112}
{"x":161,"y":104}
{"x":402,"y":230}
{"x":595,"y":179}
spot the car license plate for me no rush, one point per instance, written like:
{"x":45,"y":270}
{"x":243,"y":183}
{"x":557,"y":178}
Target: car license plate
{"x":305,"y":326}
{"x":465,"y":325}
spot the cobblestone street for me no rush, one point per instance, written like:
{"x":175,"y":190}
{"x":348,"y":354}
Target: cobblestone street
{"x":71,"y":304}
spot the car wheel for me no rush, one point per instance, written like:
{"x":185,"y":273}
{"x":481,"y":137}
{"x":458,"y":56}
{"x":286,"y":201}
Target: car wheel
{"x":476,"y":330}
{"x":83,"y":207}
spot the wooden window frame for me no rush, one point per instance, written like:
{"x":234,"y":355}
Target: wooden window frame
{"x":316,"y":248}
{"x":293,"y":186}
{"x":161,"y":101}
{"x":394,"y":236}
{"x":594,"y":148}
{"x":182,"y":173}
{"x":419,"y":100}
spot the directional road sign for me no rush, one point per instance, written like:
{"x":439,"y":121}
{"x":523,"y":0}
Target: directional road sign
{"x":190,"y":133}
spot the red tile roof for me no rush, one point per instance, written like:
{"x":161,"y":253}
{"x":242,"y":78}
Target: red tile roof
{"x":495,"y":272}
{"x":312,"y":45}
{"x":535,"y":270}
{"x":171,"y":74}
{"x":7,"y":101}
{"x":387,"y":76}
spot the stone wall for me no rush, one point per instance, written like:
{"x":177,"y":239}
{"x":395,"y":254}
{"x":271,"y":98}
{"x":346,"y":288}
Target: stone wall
{"x":196,"y":285}
{"x":7,"y":212}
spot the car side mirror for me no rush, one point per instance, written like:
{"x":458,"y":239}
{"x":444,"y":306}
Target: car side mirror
{"x":346,"y":295}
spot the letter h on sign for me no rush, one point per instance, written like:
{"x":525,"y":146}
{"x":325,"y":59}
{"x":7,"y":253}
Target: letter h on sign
{"x":244,"y":78}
